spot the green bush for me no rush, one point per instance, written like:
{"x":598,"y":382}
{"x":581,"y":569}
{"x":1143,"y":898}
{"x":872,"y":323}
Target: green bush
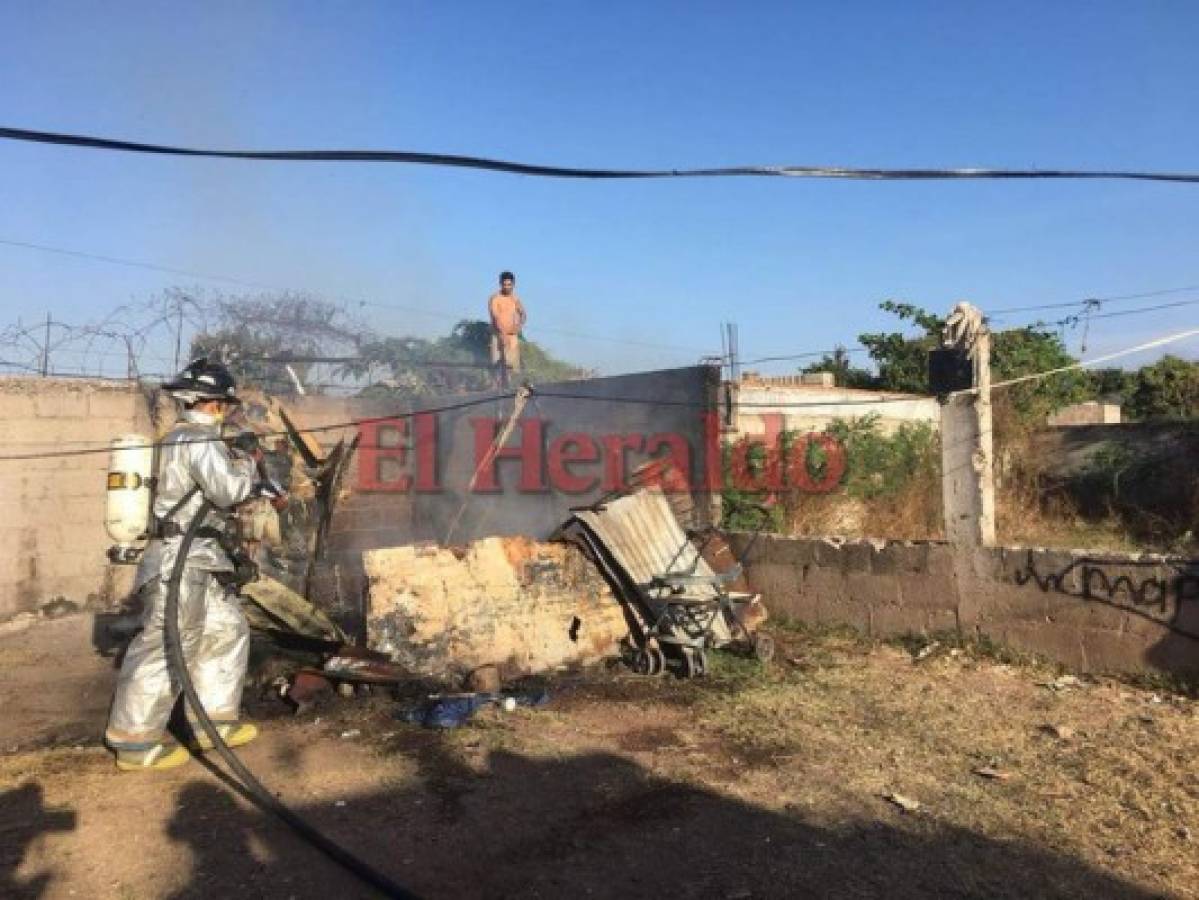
{"x":883,"y":465}
{"x":878,"y":466}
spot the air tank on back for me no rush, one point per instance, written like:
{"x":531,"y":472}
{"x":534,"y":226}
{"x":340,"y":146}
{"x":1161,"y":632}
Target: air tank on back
{"x":130,"y":483}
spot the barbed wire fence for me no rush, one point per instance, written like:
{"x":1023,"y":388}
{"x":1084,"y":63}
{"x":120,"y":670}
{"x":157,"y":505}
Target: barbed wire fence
{"x":153,"y":338}
{"x":146,"y":338}
{"x":282,"y":341}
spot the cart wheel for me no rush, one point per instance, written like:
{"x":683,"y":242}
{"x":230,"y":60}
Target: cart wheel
{"x":643,"y":661}
{"x":764,"y":647}
{"x":657,"y":660}
{"x":695,"y":662}
{"x":690,"y":667}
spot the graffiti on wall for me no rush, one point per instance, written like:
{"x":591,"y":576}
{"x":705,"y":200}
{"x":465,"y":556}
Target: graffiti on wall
{"x":1157,"y":595}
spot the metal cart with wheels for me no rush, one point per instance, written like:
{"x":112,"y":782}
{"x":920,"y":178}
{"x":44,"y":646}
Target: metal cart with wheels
{"x":677,"y":608}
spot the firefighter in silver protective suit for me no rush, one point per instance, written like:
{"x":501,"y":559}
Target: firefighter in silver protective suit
{"x":195,"y":464}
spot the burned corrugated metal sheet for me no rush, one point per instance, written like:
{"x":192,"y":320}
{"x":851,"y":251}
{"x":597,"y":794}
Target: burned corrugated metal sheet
{"x":644,"y":538}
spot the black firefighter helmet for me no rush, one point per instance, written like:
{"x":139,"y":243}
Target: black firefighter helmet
{"x":203,"y":380}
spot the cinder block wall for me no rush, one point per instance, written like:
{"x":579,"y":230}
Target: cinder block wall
{"x":52,"y":538}
{"x":1093,"y":611}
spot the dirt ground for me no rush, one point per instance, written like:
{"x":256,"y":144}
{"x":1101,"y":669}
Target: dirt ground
{"x":753,"y":783}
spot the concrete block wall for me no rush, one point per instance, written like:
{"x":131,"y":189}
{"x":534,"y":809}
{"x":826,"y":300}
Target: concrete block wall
{"x":52,"y":538}
{"x":1089,"y":610}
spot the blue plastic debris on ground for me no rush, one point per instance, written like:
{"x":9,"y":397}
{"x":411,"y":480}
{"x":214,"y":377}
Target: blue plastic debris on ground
{"x":453,"y":710}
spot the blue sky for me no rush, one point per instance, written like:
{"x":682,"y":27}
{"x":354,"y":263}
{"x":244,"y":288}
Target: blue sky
{"x":799,"y":265}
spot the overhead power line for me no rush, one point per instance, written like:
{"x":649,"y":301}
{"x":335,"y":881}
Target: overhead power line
{"x":315,"y":429}
{"x":411,"y":157}
{"x":1070,"y":304}
{"x":1143,"y":309}
{"x":1093,"y":361}
{"x":811,"y":354}
{"x":189,"y":273}
{"x":1090,"y":314}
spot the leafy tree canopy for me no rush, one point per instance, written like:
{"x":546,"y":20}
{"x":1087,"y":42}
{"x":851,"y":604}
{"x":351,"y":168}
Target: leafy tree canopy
{"x":844,"y":373}
{"x":902,"y":361}
{"x":259,"y":337}
{"x":1168,"y":389}
{"x":458,"y":362}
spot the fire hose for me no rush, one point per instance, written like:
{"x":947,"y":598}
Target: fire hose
{"x":254,"y":789}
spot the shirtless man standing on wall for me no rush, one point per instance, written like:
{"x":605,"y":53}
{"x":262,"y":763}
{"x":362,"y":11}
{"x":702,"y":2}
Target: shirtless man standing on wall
{"x":507,"y":320}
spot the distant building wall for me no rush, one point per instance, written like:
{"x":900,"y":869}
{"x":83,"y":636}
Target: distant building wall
{"x":810,"y":403}
{"x":1089,"y":413}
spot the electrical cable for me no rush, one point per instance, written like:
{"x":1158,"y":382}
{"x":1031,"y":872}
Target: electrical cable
{"x":1113,"y":299}
{"x":1088,"y":313}
{"x":140,"y":265}
{"x":316,"y":429}
{"x":18,"y":365}
{"x":1136,"y":312}
{"x":593,"y":337}
{"x":693,"y":404}
{"x":1094,"y":361}
{"x":479,"y":401}
{"x":807,"y":355}
{"x":410,"y":157}
{"x":255,"y":790}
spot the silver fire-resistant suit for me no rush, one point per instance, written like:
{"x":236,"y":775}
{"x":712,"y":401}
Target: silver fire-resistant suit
{"x":213,"y":629}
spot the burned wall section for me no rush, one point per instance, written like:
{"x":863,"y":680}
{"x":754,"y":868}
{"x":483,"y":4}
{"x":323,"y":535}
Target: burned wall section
{"x":409,"y":480}
{"x":523,"y":606}
{"x":1091,"y":611}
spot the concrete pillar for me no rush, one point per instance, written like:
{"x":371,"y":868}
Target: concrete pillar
{"x":967,"y":472}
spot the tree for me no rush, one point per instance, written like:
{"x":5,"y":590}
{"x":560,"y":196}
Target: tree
{"x":1169,"y":389}
{"x":1027,"y":351}
{"x":259,"y":337}
{"x":1113,"y":383}
{"x":459,"y":362}
{"x":844,"y":374}
{"x":902,"y":361}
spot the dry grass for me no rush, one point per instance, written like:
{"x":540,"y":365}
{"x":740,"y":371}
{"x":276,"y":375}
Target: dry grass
{"x":913,"y":513}
{"x":1027,"y":512}
{"x":1025,"y":517}
{"x":1102,"y":772}
{"x":1085,"y":511}
{"x":752,"y":780}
